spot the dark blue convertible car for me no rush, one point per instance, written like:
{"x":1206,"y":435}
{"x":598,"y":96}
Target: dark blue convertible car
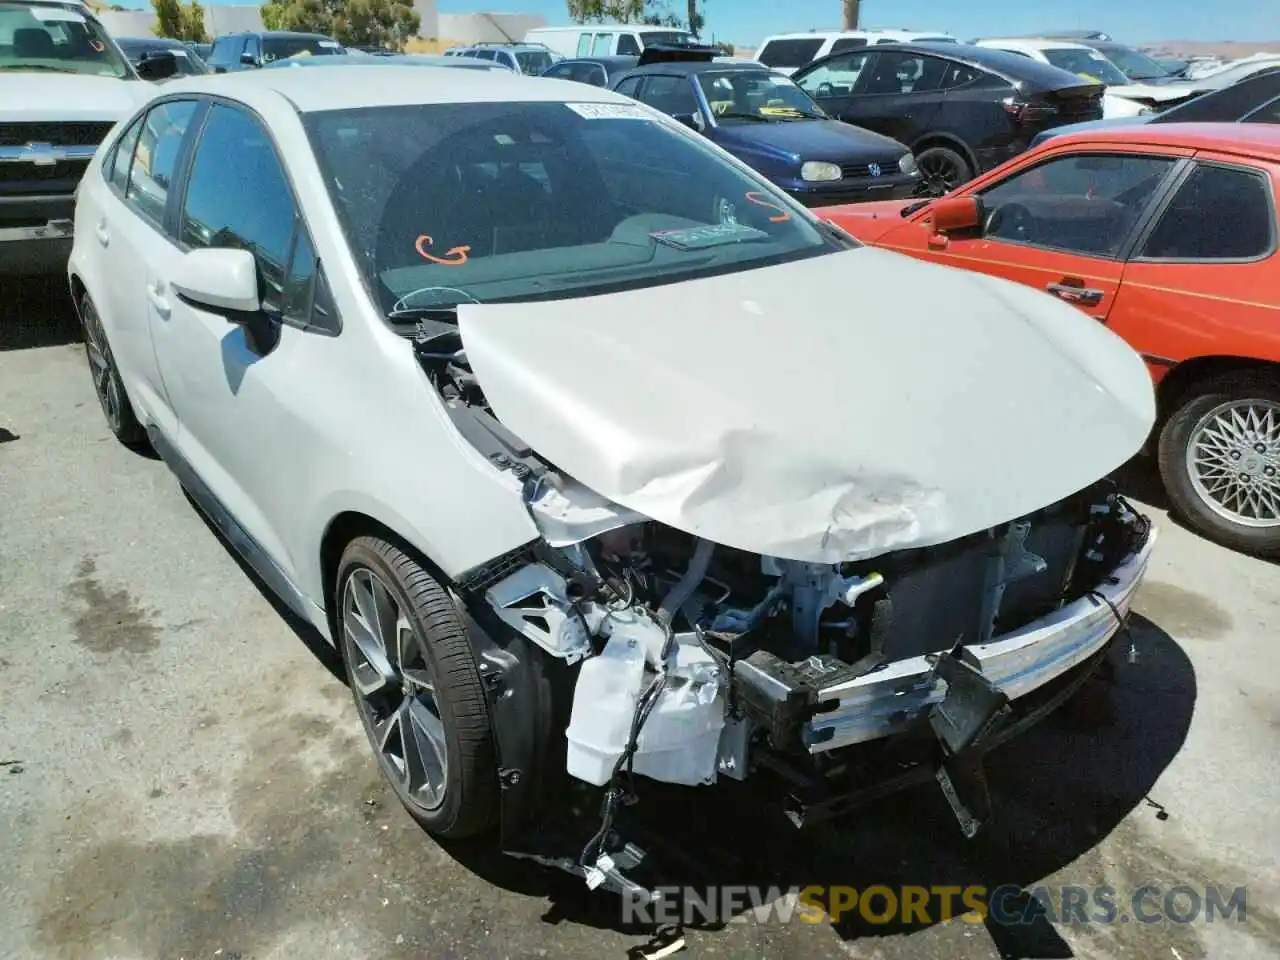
{"x":768,"y":122}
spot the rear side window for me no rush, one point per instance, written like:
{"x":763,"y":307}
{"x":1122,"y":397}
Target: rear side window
{"x":1219,"y":213}
{"x":584,"y":44}
{"x":670,"y":95}
{"x":1266,"y":114}
{"x":903,"y":73}
{"x":156,"y":156}
{"x":790,"y":53}
{"x":628,"y":45}
{"x":848,"y":43}
{"x":600,"y":47}
{"x":629,"y":86}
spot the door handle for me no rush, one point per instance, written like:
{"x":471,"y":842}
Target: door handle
{"x":155,"y":293}
{"x":102,"y":233}
{"x":1079,"y":296}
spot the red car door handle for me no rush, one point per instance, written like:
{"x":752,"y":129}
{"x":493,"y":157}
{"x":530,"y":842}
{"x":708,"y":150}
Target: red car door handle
{"x":1080,"y":296}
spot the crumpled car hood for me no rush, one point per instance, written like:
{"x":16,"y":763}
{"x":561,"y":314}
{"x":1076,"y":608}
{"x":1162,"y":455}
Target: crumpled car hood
{"x":829,"y":409}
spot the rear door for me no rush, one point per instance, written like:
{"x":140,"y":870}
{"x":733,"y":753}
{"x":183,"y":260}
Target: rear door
{"x":1202,"y":279}
{"x":1063,"y":224}
{"x":898,"y":94}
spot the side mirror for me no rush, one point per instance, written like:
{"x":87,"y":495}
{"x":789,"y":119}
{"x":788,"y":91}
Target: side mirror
{"x":248,"y":59}
{"x":954,"y":215}
{"x":691,"y":120}
{"x":220,"y":280}
{"x":160,"y":65}
{"x":224,"y":281}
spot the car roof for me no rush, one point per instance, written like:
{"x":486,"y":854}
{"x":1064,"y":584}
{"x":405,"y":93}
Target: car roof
{"x":1010,"y":65}
{"x":275,"y":34}
{"x":1035,"y":43}
{"x":694,"y":67}
{"x":350,"y":86}
{"x":603,"y":61}
{"x":1260,"y":140}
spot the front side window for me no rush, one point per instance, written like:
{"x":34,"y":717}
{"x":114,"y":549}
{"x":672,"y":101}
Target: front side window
{"x":238,"y":196}
{"x":628,"y":45}
{"x":835,"y":77}
{"x":505,"y":202}
{"x":116,"y":167}
{"x":1219,"y":213}
{"x":1088,"y":64}
{"x":56,"y":39}
{"x":156,"y":156}
{"x":226,"y":51}
{"x":671,"y":95}
{"x":1086,"y":204}
{"x":741,"y":96}
{"x":899,"y":73}
{"x":790,"y":54}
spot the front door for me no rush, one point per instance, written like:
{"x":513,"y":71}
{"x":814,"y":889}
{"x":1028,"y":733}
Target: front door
{"x":898,"y":95}
{"x":1063,"y":225}
{"x":234,"y":399}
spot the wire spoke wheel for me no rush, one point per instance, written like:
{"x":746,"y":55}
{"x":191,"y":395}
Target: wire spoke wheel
{"x":395,"y":688}
{"x":1233,"y":460}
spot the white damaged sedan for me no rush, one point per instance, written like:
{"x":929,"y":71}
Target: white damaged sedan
{"x":600,"y":460}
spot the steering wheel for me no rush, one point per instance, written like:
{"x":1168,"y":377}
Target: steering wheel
{"x":1012,"y":221}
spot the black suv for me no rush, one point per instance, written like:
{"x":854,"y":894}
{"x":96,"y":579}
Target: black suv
{"x":963,"y":110}
{"x":243,"y":51}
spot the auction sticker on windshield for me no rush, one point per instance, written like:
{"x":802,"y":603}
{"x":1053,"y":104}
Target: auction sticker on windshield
{"x":698,"y":238}
{"x":609,"y":111}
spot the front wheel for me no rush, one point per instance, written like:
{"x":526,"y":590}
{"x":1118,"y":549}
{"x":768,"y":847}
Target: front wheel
{"x":417,"y":687}
{"x":1220,"y":461}
{"x":106,"y":379}
{"x":941,"y":171}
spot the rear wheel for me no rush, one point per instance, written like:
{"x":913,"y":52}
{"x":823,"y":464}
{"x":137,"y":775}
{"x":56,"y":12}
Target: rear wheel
{"x":941,"y":171}
{"x":417,"y":687}
{"x":106,"y":378}
{"x":1220,"y":461}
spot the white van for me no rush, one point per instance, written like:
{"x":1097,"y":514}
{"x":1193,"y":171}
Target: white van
{"x":788,"y":52}
{"x":599,"y":40}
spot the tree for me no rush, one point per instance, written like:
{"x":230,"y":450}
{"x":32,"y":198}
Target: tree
{"x":356,"y":23}
{"x":179,"y":22}
{"x":655,"y":12}
{"x":852,"y":11}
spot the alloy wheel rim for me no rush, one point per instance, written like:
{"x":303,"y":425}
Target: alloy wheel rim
{"x":1233,"y":459}
{"x":938,"y":175}
{"x":105,"y":382}
{"x":395,"y":687}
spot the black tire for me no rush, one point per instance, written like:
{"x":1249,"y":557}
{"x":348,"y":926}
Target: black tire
{"x":1175,"y":438}
{"x":469,"y":801}
{"x":941,"y":171}
{"x":107,"y":385}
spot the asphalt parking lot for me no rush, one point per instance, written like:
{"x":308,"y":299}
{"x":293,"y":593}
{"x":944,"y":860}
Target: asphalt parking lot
{"x":184,"y":776}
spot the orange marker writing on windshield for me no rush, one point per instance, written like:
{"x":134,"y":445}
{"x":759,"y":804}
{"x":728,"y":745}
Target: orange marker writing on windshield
{"x":760,"y":200}
{"x":454,"y":256}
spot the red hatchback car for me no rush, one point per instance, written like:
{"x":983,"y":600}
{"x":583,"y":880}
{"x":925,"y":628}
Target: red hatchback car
{"x":1167,"y":234}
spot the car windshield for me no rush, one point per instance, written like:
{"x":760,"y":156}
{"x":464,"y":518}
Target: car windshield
{"x":484,"y":202}
{"x":281,"y":48}
{"x":746,"y":95}
{"x":1133,"y":64}
{"x":533,"y":62}
{"x":1088,"y":64}
{"x":187,"y":63}
{"x":57,"y":39}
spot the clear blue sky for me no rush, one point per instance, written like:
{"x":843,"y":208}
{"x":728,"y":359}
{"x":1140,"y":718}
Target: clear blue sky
{"x":747,"y":21}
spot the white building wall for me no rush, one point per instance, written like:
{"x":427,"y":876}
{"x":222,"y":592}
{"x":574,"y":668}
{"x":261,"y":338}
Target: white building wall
{"x":480,"y":27}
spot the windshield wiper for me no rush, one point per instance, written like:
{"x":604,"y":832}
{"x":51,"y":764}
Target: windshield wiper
{"x":911,"y":208}
{"x":744,"y":116}
{"x":35,"y":66}
{"x":802,"y":115}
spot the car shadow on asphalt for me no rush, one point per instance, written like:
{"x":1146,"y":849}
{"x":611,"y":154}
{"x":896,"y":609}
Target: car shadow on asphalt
{"x":37,"y":312}
{"x":1058,"y":791}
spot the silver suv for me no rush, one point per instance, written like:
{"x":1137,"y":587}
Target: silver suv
{"x":527,"y":58}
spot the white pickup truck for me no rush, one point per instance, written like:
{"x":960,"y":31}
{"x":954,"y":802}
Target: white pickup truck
{"x":63,"y":85}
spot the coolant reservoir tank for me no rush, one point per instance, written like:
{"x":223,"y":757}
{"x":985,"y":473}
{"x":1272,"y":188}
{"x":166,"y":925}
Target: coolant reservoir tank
{"x":604,"y":703}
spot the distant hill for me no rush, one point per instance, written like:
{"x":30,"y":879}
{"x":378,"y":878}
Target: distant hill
{"x":1226,"y":49}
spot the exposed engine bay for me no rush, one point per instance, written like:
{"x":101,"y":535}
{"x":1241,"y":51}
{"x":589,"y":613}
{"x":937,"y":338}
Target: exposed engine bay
{"x":691,"y":661}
